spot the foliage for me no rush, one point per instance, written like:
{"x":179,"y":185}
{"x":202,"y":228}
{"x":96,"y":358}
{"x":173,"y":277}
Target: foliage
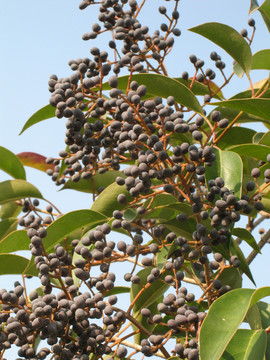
{"x":172,"y":167}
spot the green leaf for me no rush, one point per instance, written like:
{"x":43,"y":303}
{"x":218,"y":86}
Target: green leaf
{"x":9,"y":209}
{"x":247,"y":237}
{"x":246,"y":345}
{"x":265,"y":139}
{"x":14,"y":264}
{"x":99,"y":180}
{"x":228,"y":39}
{"x":202,"y":89}
{"x":15,"y":241}
{"x":35,"y":161}
{"x":168,"y":212}
{"x":235,"y":250}
{"x":258,"y":317}
{"x":16,"y":190}
{"x":223,"y":319}
{"x":258,"y":107}
{"x":11,"y":164}
{"x":265,"y":12}
{"x":7,"y":226}
{"x":47,"y":112}
{"x":231,"y":276}
{"x":159,"y":85}
{"x":149,"y":295}
{"x":67,"y":225}
{"x":257,"y":137}
{"x":118,"y":290}
{"x":185,"y":228}
{"x":256,"y":151}
{"x":253,"y":6}
{"x":237,"y":135}
{"x":239,"y":72}
{"x":261,"y":60}
{"x":230,"y":114}
{"x":107,"y":202}
{"x":226,"y":164}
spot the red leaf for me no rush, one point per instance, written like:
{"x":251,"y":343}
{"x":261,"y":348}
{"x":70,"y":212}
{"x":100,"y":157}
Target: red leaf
{"x":35,"y":161}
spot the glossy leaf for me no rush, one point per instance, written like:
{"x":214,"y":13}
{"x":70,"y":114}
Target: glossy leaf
{"x":256,"y":151}
{"x":258,"y":107}
{"x":236,"y":135}
{"x":261,"y":60}
{"x":247,"y":237}
{"x":44,"y":113}
{"x":10,"y":163}
{"x":15,"y":241}
{"x":246,"y":345}
{"x":35,"y":161}
{"x":235,"y":250}
{"x":167,"y":212}
{"x":238,"y":70}
{"x":66,"y":225}
{"x":16,"y":190}
{"x":226,"y":164}
{"x":98,"y":180}
{"x":159,"y":85}
{"x":258,"y":317}
{"x":223,"y":319}
{"x":185,"y":228}
{"x":7,"y":226}
{"x":14,"y":264}
{"x":228,"y":39}
{"x":107,"y":202}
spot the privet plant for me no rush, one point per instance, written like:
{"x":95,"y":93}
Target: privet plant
{"x":172,"y":169}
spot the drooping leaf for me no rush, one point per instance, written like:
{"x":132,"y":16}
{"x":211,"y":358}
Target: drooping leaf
{"x":256,"y":151}
{"x":107,"y":202}
{"x":258,"y":107}
{"x":258,"y":317}
{"x":15,"y":241}
{"x":223,"y":319}
{"x":10,"y":163}
{"x":226,"y":164}
{"x":46,"y":112}
{"x":261,"y":60}
{"x":17,"y":189}
{"x":35,"y":161}
{"x":6,"y":227}
{"x":68,"y":224}
{"x":228,"y":39}
{"x":236,"y":135}
{"x":265,"y":12}
{"x":247,"y":237}
{"x":14,"y":264}
{"x":235,"y":250}
{"x":159,"y":85}
{"x":246,"y":344}
{"x":97,"y":181}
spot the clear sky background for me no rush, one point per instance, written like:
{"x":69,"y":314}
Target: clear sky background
{"x":38,"y":38}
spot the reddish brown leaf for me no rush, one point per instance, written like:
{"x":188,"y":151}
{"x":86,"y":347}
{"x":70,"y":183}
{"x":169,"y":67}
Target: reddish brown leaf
{"x":35,"y":161}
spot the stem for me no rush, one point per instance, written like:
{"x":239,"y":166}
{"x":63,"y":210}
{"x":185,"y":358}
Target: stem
{"x":261,"y":244}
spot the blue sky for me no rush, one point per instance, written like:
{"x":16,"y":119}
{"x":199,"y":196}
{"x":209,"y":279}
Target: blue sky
{"x":39,"y":38}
